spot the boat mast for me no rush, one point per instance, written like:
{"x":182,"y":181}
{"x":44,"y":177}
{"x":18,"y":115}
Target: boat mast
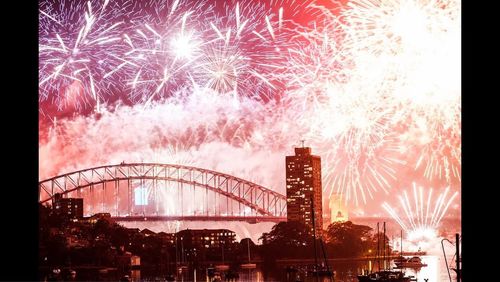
{"x":248,"y":246}
{"x":322,"y":247}
{"x":222,"y":253}
{"x":176,"y":251}
{"x":183,"y":258}
{"x":401,"y":245}
{"x":459,"y":274}
{"x":383,"y":238}
{"x":314,"y":237}
{"x":378,"y":247}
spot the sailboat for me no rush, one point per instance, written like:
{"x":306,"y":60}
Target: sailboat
{"x":386,"y":274}
{"x":248,"y":265}
{"x":319,"y":270}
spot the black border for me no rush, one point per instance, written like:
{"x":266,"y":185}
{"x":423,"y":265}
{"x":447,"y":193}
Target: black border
{"x":19,"y":141}
{"x":478,"y":145}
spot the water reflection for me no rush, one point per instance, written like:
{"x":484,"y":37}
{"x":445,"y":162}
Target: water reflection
{"x":345,"y":271}
{"x":436,"y":269}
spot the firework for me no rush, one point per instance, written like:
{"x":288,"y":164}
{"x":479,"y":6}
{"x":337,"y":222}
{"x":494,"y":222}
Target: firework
{"x":343,"y":112}
{"x":372,"y":86}
{"x":163,"y":46}
{"x":423,"y":215}
{"x":417,"y":43}
{"x":151,"y":49}
{"x":79,"y":46}
{"x":230,"y":49}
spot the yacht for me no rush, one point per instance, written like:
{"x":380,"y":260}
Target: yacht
{"x":411,"y":262}
{"x":386,"y":275}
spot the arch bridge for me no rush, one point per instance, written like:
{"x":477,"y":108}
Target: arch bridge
{"x":153,"y":191}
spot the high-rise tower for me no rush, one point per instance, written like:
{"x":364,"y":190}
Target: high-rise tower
{"x":303,"y":184}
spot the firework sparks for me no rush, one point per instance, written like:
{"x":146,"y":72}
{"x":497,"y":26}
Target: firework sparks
{"x":78,"y":52}
{"x":157,"y":46}
{"x":417,"y":43}
{"x":423,"y":216}
{"x":372,"y":86}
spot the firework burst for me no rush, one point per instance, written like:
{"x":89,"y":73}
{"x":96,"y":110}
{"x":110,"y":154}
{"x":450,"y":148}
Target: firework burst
{"x":343,"y":112}
{"x":163,"y":45}
{"x":372,"y":86}
{"x":423,"y":215}
{"x":151,"y":49}
{"x":417,"y":43}
{"x":79,"y":46}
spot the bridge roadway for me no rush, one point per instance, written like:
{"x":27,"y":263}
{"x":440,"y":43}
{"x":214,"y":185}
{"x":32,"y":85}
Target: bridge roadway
{"x":250,"y":219}
{"x":116,"y":187}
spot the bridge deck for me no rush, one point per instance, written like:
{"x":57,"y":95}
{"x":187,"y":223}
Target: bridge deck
{"x":251,"y":219}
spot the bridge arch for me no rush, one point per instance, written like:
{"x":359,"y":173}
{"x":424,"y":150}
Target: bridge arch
{"x":116,"y":187}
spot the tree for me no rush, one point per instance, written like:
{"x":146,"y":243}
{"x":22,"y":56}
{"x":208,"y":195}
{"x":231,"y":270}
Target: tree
{"x":101,"y":228}
{"x":119,"y":236}
{"x":243,"y":247}
{"x":289,"y":234}
{"x":346,"y":239}
{"x":287,"y":239}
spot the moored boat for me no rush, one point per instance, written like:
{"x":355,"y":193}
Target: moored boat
{"x":413,"y":262}
{"x":385,"y":275}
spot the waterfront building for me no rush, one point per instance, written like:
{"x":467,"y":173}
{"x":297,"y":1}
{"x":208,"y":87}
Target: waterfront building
{"x":304,"y":189}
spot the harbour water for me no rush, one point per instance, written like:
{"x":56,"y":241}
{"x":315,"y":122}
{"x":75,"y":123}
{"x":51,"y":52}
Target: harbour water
{"x":344,"y":271}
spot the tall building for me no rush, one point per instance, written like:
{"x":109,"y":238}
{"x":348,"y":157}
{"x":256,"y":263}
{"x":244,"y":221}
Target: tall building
{"x":338,"y":210}
{"x":68,"y":207}
{"x":205,"y":244}
{"x":303,"y":189}
{"x":207,"y":238}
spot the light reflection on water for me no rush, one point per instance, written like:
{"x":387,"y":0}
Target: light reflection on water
{"x":435,"y":271}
